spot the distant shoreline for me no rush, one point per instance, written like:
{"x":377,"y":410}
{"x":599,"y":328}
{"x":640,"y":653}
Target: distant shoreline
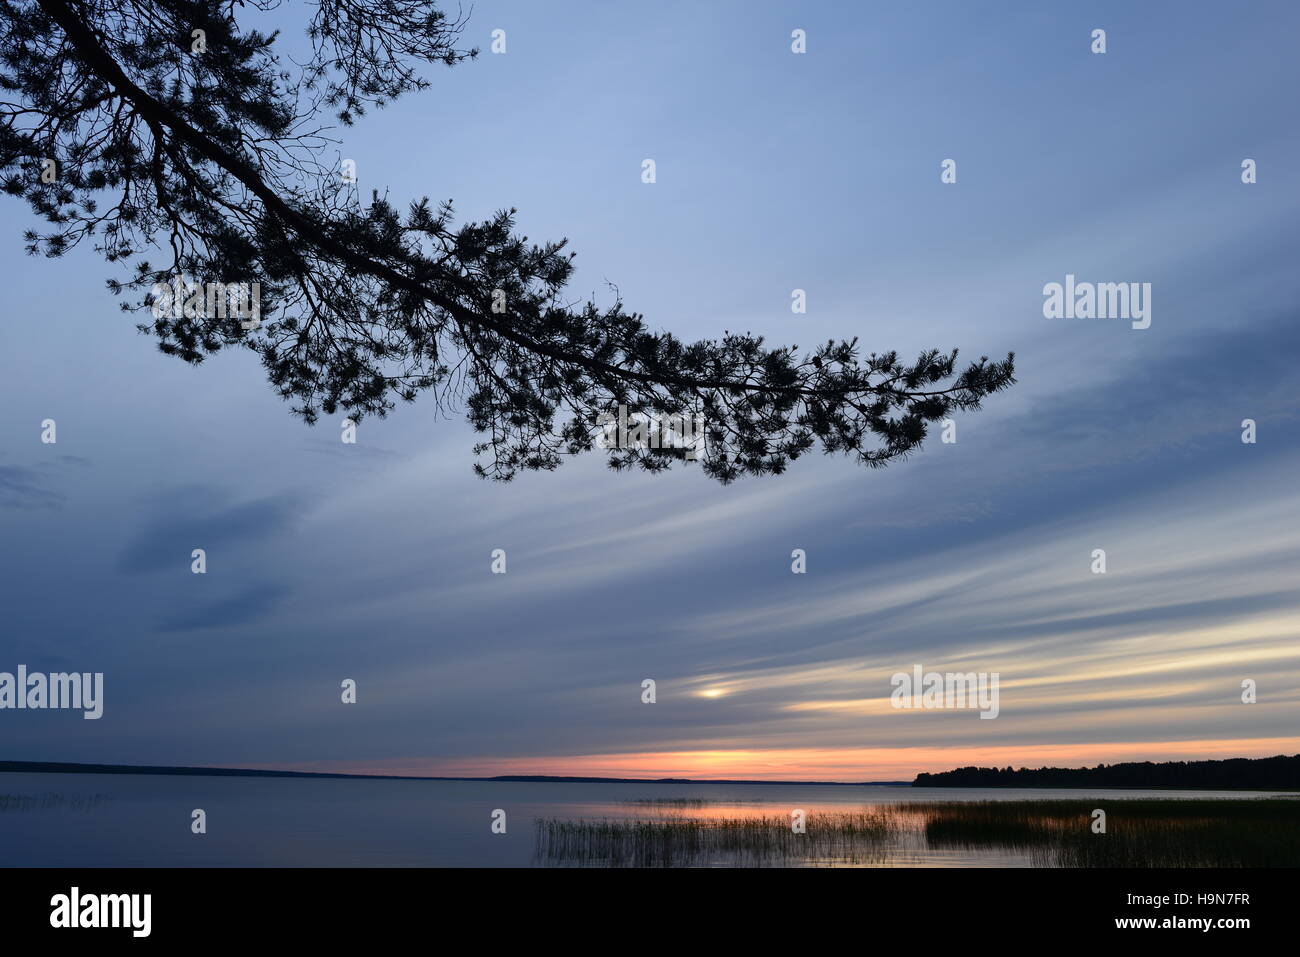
{"x":64,"y":767}
{"x":1278,"y":773}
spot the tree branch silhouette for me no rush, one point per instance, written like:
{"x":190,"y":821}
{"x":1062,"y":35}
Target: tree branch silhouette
{"x":217,"y":158}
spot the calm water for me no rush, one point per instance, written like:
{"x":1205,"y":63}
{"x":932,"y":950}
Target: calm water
{"x":94,"y":820}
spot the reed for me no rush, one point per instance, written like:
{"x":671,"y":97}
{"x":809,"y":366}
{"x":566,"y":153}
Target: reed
{"x":683,"y":841}
{"x":1148,"y":832}
{"x":1162,"y":832}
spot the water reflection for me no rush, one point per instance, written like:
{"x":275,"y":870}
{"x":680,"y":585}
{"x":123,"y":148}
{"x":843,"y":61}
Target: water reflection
{"x":91,"y":820}
{"x":1162,"y":832}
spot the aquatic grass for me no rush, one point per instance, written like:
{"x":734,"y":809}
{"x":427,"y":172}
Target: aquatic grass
{"x":682,"y":841}
{"x":1140,"y":832}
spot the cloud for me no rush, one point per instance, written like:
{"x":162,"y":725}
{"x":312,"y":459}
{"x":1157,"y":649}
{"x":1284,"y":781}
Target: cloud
{"x":184,"y":519}
{"x":28,"y":489}
{"x":23,"y":488}
{"x":243,"y":608}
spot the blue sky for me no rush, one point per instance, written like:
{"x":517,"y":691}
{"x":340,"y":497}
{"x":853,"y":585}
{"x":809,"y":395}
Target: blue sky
{"x":775,"y":171}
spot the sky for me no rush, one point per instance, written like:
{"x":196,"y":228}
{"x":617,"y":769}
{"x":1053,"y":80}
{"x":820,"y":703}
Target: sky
{"x":775,"y":171}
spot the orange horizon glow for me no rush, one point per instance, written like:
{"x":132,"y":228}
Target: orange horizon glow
{"x":806,"y":764}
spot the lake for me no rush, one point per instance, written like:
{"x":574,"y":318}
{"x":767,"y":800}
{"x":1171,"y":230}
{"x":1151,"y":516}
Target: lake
{"x":101,"y":820}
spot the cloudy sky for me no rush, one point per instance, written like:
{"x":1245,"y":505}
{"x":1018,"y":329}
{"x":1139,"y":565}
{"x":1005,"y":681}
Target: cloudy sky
{"x":776,"y":171}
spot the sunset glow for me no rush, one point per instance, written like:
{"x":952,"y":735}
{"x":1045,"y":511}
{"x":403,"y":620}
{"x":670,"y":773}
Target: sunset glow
{"x":814,"y":764}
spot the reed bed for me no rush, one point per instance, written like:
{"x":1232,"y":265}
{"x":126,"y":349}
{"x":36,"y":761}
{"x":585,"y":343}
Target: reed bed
{"x":683,"y":841}
{"x":1144,"y":832}
{"x":1163,"y":832}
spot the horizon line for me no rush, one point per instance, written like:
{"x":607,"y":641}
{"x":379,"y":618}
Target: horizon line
{"x":75,"y":767}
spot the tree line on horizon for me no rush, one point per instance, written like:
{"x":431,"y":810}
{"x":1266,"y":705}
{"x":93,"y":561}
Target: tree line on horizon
{"x":1281,"y":772}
